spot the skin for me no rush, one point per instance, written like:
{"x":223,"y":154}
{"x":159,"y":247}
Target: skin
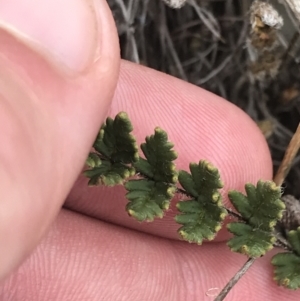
{"x":90,"y":249}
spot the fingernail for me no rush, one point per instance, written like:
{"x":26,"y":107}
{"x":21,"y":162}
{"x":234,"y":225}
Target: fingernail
{"x":65,"y":32}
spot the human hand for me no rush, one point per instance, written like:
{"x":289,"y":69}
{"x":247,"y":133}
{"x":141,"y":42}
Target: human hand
{"x":92,"y":250}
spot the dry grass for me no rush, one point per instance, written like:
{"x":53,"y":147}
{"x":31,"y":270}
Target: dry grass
{"x":205,"y":43}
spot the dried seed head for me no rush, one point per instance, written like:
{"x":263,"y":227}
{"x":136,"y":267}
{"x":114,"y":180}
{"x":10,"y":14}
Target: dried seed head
{"x":263,"y":14}
{"x":175,"y":3}
{"x":291,"y":216}
{"x":266,"y":65}
{"x":265,"y":22}
{"x":264,"y":39}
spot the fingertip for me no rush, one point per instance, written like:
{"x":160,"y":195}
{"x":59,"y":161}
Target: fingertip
{"x":49,"y":117}
{"x":201,"y":124}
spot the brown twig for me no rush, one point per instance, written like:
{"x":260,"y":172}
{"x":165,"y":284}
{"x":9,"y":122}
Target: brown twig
{"x":235,"y":279}
{"x":284,"y":169}
{"x":288,"y":158}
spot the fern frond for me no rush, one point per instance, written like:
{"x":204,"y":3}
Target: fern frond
{"x":115,"y":150}
{"x":149,"y":198}
{"x":261,"y":208}
{"x":287,"y":265}
{"x":202,"y":215}
{"x":159,"y":156}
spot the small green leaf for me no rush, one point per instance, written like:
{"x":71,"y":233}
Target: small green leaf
{"x":287,"y":270}
{"x":287,"y":265}
{"x":202,"y":215}
{"x":203,"y":180}
{"x":249,"y":241}
{"x":294,"y":239}
{"x":115,"y":151}
{"x":115,"y":140}
{"x":160,"y":155}
{"x":93,"y":160}
{"x":201,"y":220}
{"x":148,"y":199}
{"x":109,"y":174}
{"x":261,"y":208}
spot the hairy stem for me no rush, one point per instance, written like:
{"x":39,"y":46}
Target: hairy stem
{"x":233,"y":214}
{"x":235,"y":279}
{"x":281,"y":242}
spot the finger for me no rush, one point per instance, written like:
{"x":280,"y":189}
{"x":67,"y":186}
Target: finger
{"x":202,"y":126}
{"x":59,"y":65}
{"x":84,"y":259}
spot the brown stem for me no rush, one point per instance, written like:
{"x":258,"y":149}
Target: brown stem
{"x":235,"y":279}
{"x":289,"y":156}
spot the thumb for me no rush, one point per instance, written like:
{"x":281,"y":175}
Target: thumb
{"x":59,"y":64}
